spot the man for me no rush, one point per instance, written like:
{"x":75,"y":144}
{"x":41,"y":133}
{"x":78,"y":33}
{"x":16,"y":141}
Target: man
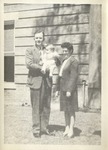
{"x":40,"y":86}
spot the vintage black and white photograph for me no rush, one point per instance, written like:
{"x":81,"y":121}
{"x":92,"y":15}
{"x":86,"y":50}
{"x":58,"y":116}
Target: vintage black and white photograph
{"x":52,"y":73}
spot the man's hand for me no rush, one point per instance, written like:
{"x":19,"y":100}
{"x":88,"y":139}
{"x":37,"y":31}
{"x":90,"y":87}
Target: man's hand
{"x":68,"y":94}
{"x":43,"y":69}
{"x":41,"y":63}
{"x":43,"y":72}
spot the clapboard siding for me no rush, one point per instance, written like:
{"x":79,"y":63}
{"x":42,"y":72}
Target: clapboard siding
{"x":47,"y":21}
{"x":21,"y":70}
{"x":72,"y":9}
{"x":25,"y":7}
{"x":54,"y":39}
{"x":55,"y":34}
{"x":83,"y":69}
{"x":20,"y":60}
{"x":82,"y":59}
{"x":60,"y":23}
{"x":78,"y":49}
{"x":22,"y":79}
{"x":21,"y":7}
{"x":75,"y":29}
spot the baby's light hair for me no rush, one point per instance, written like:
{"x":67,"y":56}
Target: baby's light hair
{"x":51,"y":47}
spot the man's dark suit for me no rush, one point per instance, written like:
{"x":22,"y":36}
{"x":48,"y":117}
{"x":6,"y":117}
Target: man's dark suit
{"x":40,"y":90}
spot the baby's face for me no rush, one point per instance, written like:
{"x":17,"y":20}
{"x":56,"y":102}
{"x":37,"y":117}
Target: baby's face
{"x":48,"y":50}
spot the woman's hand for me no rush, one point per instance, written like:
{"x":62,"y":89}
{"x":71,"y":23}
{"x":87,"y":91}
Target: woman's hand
{"x":56,"y":93}
{"x":68,"y":94}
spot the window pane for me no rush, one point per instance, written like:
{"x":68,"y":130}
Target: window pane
{"x":9,"y":40}
{"x":9,"y":68}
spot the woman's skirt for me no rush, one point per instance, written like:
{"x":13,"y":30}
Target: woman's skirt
{"x":69,"y":104}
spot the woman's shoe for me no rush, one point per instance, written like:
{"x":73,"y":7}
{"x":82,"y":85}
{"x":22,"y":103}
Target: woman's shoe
{"x":66,"y":131}
{"x":70,"y":134}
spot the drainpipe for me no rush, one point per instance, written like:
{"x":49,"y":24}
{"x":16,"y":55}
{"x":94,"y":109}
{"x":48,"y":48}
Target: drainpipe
{"x":84,"y":100}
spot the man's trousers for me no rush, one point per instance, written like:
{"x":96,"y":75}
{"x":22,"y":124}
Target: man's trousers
{"x":40,"y":102}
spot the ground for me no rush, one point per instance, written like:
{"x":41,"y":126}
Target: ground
{"x":18,"y":127}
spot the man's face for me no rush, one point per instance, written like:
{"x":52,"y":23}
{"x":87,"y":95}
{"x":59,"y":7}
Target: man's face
{"x":38,"y":38}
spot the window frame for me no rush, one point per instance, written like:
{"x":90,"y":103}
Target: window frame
{"x":10,"y":85}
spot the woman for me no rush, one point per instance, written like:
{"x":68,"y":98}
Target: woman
{"x":67,"y":85}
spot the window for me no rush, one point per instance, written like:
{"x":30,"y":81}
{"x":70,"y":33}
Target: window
{"x":9,"y":51}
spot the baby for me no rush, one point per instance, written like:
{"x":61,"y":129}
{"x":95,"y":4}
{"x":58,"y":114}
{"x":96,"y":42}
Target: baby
{"x":49,"y":59}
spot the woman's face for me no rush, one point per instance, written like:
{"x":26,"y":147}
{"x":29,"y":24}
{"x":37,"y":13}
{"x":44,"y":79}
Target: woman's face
{"x":66,"y":53}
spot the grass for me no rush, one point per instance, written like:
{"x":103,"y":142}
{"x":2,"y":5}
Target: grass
{"x":18,"y":127}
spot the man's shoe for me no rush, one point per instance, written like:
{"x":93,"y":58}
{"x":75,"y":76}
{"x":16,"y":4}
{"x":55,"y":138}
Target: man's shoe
{"x":45,"y":132}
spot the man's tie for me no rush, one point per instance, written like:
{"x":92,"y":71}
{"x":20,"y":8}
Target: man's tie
{"x":41,"y":61}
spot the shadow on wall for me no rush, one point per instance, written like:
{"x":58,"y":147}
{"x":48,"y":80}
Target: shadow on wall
{"x":42,"y":24}
{"x":82,"y":47}
{"x":54,"y":20}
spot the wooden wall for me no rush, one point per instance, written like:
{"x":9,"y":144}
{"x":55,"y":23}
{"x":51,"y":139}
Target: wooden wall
{"x":61,"y":23}
{"x":94,"y":78}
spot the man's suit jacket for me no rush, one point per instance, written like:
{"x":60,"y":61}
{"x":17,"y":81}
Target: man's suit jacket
{"x":68,"y":81}
{"x":35,"y":76}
